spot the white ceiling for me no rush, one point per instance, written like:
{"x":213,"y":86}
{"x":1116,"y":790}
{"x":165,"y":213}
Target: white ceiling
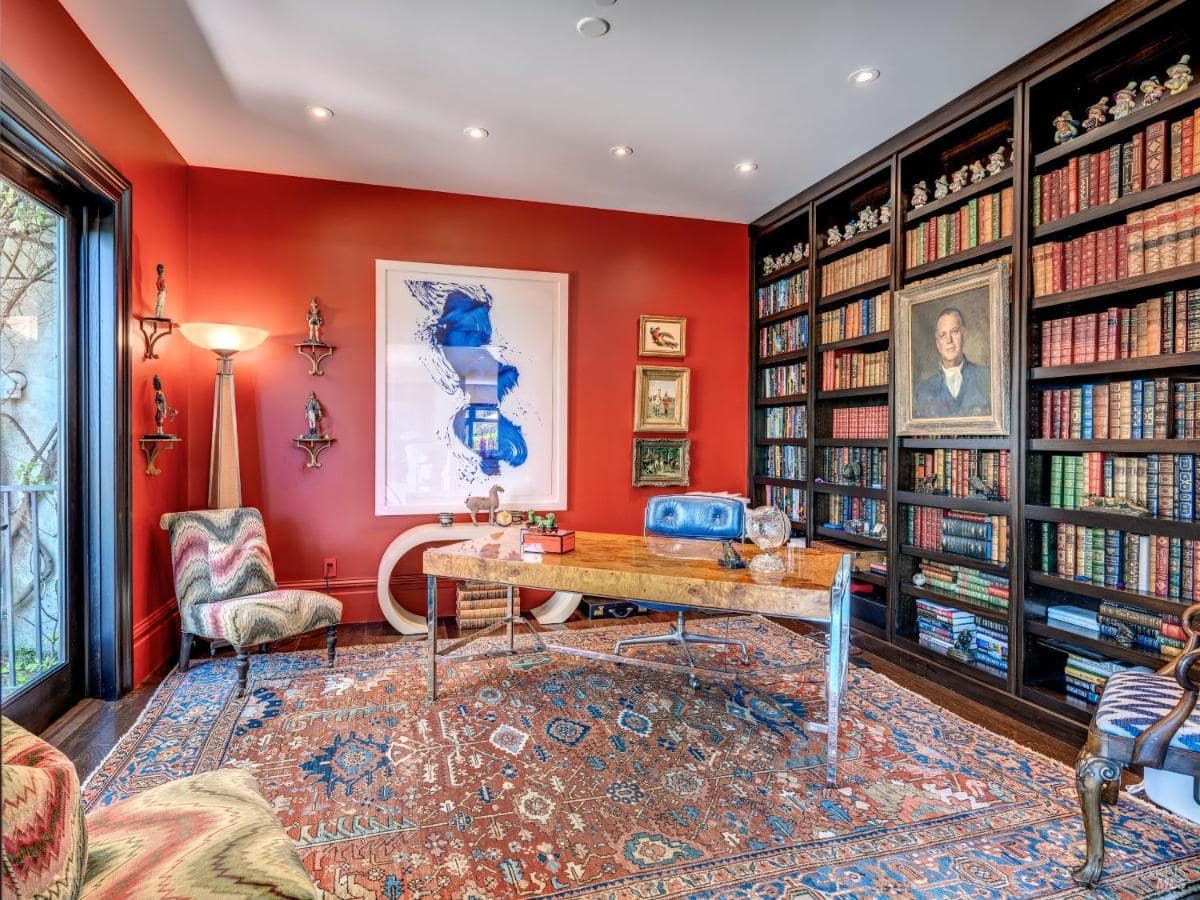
{"x":692,"y":85}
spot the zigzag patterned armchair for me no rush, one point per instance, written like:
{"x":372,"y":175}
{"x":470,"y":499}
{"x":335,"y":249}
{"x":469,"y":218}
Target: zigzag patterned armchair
{"x":225,"y":585}
{"x":1144,"y":719}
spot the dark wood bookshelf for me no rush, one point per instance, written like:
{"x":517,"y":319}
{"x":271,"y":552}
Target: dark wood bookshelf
{"x":1055,"y":700}
{"x":947,"y":662}
{"x":1099,"y":592}
{"x":953,"y":559}
{"x":1133,"y":201}
{"x":849,"y":245}
{"x":851,"y":442}
{"x":787,"y":356}
{"x":921,"y":443}
{"x":866,"y":289}
{"x":944,"y":501}
{"x":988,"y":612}
{"x":962,"y":258}
{"x":1111,"y":289}
{"x":991,"y":184}
{"x":780,"y":274}
{"x":782,"y":442}
{"x":785,"y":400}
{"x":862,"y":340}
{"x":850,"y":490}
{"x":870,"y":578}
{"x":790,"y":313}
{"x":780,"y":482}
{"x":1112,"y":445}
{"x":878,"y":390}
{"x":1105,"y":135}
{"x":863,"y":540}
{"x":1129,"y":366}
{"x":1096,"y":519}
{"x":1088,"y":641}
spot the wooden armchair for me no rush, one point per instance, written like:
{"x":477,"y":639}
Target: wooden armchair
{"x":1142,"y":719}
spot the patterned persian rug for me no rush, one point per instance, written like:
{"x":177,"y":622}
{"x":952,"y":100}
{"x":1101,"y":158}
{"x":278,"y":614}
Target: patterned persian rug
{"x":555,"y":776}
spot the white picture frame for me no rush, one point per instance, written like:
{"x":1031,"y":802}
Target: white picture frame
{"x":470,"y":387}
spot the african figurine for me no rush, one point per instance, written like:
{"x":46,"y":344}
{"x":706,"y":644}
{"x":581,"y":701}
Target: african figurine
{"x":1124,"y":101}
{"x":920,"y":194}
{"x":1097,"y":114}
{"x":1152,"y":90}
{"x":1065,"y":127}
{"x":160,"y":297}
{"x":315,"y":321}
{"x":995,"y":163}
{"x":1179,"y":76}
{"x":958,"y":180}
{"x":833,"y":237}
{"x":313,"y":415}
{"x":941,"y":187}
{"x":978,"y":172}
{"x":162,"y":410}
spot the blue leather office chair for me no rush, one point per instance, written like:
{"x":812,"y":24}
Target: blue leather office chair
{"x":695,"y":517}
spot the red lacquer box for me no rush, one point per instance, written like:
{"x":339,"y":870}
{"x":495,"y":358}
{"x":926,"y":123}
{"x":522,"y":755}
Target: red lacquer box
{"x":535,"y":541}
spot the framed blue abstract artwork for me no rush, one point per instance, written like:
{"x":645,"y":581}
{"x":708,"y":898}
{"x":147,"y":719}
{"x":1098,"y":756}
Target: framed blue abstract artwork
{"x":470,"y":387}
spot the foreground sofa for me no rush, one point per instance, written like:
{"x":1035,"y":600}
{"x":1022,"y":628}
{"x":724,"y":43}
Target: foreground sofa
{"x":211,"y":835}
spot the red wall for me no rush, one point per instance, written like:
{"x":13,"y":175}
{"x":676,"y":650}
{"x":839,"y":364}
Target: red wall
{"x":262,"y":245}
{"x":43,"y":47}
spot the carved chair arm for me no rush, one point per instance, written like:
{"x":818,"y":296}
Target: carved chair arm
{"x":1150,"y":749}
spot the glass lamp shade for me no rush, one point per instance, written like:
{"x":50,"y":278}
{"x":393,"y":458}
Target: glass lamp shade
{"x":223,"y":339}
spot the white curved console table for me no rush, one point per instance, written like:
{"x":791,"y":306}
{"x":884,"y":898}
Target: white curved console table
{"x":555,"y":610}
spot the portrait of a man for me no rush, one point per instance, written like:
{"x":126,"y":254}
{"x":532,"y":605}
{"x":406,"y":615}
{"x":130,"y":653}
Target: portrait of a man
{"x":960,"y":386}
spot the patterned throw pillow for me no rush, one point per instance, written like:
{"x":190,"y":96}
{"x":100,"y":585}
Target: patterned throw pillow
{"x":219,"y":554}
{"x":44,"y":841}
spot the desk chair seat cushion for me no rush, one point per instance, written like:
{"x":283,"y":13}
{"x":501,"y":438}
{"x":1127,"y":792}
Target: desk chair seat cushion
{"x":1133,"y":701}
{"x":696,"y":516}
{"x":262,"y":618}
{"x":219,"y":554}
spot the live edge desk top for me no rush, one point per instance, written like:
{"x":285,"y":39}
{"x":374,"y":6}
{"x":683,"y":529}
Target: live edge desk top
{"x":654,"y":569}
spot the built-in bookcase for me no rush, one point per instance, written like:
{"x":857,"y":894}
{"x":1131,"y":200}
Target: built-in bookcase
{"x":1004,"y":583}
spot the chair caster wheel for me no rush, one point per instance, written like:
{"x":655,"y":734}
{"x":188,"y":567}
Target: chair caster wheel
{"x":694,"y":683}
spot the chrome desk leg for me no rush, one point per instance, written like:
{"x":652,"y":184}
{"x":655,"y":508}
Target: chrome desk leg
{"x":431,"y":623}
{"x":509,"y":626}
{"x":838,"y":657}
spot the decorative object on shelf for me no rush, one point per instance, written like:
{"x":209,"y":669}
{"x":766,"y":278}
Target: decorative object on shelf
{"x":958,"y":179}
{"x":314,"y":441}
{"x":852,"y":473}
{"x":978,"y":172}
{"x":314,"y":348}
{"x":885,"y":212}
{"x":980,"y":489}
{"x":927,"y":484}
{"x":730,"y":558}
{"x":547,"y":540}
{"x":1124,"y":101}
{"x":920,"y":195}
{"x":768,"y":527}
{"x":661,"y":398}
{"x":1097,"y":114}
{"x":941,"y":187}
{"x":868,"y":218}
{"x":546,"y":523}
{"x":798,"y":253}
{"x":151,"y":444}
{"x":445,"y":519}
{"x":224,"y":472}
{"x":850,"y":229}
{"x":1121,"y":505}
{"x":918,"y":579}
{"x":996,"y":162}
{"x":160,"y":324}
{"x":662,"y":336}
{"x":1179,"y":76}
{"x":471,"y":386}
{"x":1066,"y":127}
{"x":661,"y":462}
{"x":488,"y":504}
{"x":504,"y":518}
{"x":1152,"y":90}
{"x":952,"y":354}
{"x":833,"y":237}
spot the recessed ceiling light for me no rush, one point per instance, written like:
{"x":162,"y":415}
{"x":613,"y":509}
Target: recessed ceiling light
{"x":320,"y":112}
{"x":745,"y":167}
{"x":592,"y":26}
{"x":474,"y":131}
{"x":621,"y":150}
{"x":863,"y":76}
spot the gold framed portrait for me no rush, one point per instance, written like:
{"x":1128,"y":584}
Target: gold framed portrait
{"x":661,"y":398}
{"x":662,"y":336}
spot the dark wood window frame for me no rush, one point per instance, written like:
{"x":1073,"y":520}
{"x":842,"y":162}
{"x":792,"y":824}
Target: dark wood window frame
{"x":38,"y":139}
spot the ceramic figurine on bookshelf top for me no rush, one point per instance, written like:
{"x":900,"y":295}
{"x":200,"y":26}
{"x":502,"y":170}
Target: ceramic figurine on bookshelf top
{"x":941,"y":187}
{"x":850,"y":229}
{"x":833,"y":237}
{"x":1152,"y":90}
{"x":996,"y":163}
{"x":885,"y":212}
{"x":1065,"y":127}
{"x":868,"y":219}
{"x":1124,"y":101}
{"x":958,"y":180}
{"x":1097,"y":114}
{"x":978,"y":172}
{"x":1179,"y":76}
{"x":920,"y":195}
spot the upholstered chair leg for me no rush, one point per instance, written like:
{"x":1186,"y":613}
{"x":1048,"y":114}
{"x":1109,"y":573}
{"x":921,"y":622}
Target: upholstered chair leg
{"x":1092,"y":774}
{"x":185,"y":651}
{"x":331,"y":643}
{"x":243,"y":669}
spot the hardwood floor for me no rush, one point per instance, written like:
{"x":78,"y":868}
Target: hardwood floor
{"x":89,"y":730}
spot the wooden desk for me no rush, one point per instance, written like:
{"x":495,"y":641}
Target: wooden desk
{"x":815,"y":587}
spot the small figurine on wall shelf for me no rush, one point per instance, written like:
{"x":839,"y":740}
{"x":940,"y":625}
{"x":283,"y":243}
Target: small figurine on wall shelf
{"x":162,"y":410}
{"x":160,"y":295}
{"x":996,"y":163}
{"x":315,"y":321}
{"x":152,"y":444}
{"x":160,"y":325}
{"x":1097,"y":114}
{"x":978,"y":172}
{"x":920,"y":194}
{"x":833,"y":237}
{"x":958,"y":180}
{"x":941,"y":187}
{"x":1179,"y":76}
{"x":314,"y":441}
{"x":313,"y":415}
{"x":1124,"y":101}
{"x":488,"y":504}
{"x":1065,"y":127}
{"x":1152,"y":90}
{"x":313,"y":348}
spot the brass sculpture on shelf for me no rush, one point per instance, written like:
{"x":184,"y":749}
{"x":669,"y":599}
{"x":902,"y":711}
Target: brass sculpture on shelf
{"x":160,"y":324}
{"x":314,"y":441}
{"x":314,"y":348}
{"x":152,"y":444}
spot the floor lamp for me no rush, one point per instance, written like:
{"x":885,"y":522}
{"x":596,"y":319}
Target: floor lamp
{"x":224,"y":473}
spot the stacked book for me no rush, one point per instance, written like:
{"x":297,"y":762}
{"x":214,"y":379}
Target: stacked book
{"x":979,"y":221}
{"x":783,"y":337}
{"x":784,"y":294}
{"x":870,"y":315}
{"x":1141,"y":629}
{"x":1157,"y":565}
{"x":1155,"y":327}
{"x":975,"y":640}
{"x":857,"y":268}
{"x":1163,"y":483}
{"x":843,"y":369}
{"x":1142,"y":409}
{"x":878,"y":567}
{"x":951,"y":471}
{"x":784,"y":381}
{"x":783,"y":461}
{"x":857,"y":515}
{"x":962,"y":533}
{"x":785,"y":421}
{"x":1086,"y":674}
{"x":869,"y":462}
{"x":966,"y":584}
{"x":991,"y":646}
{"x":860,"y":422}
{"x":479,"y":604}
{"x":1073,"y":618}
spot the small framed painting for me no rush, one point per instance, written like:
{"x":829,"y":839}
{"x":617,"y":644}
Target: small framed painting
{"x":661,"y":398}
{"x":662,"y":336}
{"x":659,"y":462}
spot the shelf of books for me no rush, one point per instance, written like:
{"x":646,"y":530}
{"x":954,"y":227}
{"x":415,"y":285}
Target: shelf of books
{"x":782,"y":331}
{"x":1114,"y":374}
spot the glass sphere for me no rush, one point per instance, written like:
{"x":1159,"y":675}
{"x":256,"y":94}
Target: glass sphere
{"x":770,"y":529}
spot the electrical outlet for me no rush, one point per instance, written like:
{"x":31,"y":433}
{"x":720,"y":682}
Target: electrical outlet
{"x":330,"y":567}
